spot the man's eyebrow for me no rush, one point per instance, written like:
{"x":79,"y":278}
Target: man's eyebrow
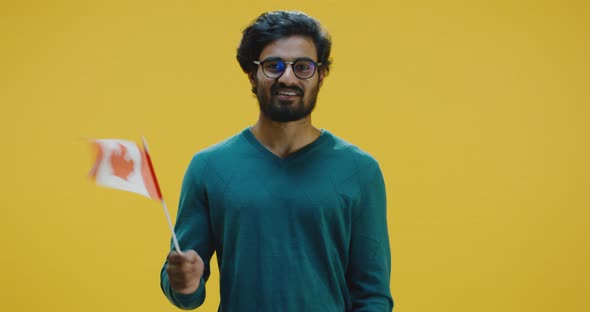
{"x":276,"y":58}
{"x":272,"y":58}
{"x":305,"y":58}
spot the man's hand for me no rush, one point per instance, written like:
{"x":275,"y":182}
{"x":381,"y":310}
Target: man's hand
{"x":184,"y":271}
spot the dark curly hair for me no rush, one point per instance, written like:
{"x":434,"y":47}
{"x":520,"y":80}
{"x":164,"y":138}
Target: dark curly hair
{"x":275,"y":25}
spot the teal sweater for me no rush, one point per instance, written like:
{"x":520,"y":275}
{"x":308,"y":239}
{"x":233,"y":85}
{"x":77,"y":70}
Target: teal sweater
{"x":303,"y":233}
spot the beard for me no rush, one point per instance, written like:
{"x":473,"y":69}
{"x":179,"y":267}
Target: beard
{"x":285,"y":111}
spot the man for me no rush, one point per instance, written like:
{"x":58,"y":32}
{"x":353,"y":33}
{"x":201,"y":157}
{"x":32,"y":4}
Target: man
{"x":296,"y":215}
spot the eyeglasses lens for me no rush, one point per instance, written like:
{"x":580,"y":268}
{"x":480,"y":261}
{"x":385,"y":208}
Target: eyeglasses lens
{"x":302,"y":68}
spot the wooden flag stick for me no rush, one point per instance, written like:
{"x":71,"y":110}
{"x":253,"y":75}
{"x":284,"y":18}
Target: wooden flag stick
{"x":171,"y":227}
{"x":151,"y":166}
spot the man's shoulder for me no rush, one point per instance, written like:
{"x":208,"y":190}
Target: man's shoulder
{"x":222,"y":149}
{"x":219,"y":158}
{"x":346,"y":151}
{"x":351,"y":164}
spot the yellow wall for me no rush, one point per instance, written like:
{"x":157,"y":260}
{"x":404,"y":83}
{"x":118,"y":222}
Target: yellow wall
{"x":477,"y":110}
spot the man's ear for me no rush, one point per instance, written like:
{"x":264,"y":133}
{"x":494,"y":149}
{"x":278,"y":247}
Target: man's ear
{"x":322,"y":75}
{"x":252,"y":78}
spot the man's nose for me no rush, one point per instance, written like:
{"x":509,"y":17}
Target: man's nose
{"x":288,"y":75}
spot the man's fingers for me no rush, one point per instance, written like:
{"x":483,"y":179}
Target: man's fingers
{"x":188,"y":256}
{"x":184,"y":267}
{"x":174,"y":257}
{"x":184,"y":270}
{"x":191,"y":256}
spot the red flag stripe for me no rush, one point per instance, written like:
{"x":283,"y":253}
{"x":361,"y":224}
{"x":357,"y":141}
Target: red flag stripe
{"x":152,"y":174}
{"x":99,"y":155}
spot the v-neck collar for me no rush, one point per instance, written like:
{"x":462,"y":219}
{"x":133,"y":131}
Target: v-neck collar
{"x":247,"y":133}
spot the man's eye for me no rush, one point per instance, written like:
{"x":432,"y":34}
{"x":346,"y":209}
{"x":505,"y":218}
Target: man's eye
{"x":275,"y":66}
{"x":303,"y":66}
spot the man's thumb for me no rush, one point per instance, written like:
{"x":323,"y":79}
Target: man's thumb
{"x":190,"y":256}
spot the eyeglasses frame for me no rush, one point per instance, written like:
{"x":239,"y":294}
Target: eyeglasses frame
{"x":261,"y":63}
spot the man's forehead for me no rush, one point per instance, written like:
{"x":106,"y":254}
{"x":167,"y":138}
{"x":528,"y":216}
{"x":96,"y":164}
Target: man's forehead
{"x":290,"y":48}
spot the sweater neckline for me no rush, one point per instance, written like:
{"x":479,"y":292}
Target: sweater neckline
{"x":247,"y":133}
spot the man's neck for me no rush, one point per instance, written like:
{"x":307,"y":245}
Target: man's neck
{"x":284,"y":138}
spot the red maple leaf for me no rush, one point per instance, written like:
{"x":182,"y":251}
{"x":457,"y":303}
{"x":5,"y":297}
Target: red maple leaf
{"x":122,"y":165}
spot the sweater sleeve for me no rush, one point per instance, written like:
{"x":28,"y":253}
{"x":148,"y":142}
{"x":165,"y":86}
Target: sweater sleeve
{"x":193,"y":231}
{"x":369,"y":267}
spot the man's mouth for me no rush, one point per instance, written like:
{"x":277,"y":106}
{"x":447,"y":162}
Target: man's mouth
{"x":287,"y":93}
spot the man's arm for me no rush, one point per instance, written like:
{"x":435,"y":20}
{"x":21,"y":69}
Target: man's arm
{"x":369,"y":267}
{"x":193,"y":231}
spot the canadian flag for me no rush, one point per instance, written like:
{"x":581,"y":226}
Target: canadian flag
{"x":121,"y":164}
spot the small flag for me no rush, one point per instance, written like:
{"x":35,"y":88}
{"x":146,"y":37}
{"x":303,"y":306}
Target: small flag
{"x":121,"y":164}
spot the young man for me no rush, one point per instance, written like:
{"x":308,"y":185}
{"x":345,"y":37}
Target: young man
{"x":296,"y":215}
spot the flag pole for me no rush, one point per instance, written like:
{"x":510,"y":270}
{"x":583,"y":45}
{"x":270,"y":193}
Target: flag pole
{"x":171,"y":227}
{"x":149,"y":160}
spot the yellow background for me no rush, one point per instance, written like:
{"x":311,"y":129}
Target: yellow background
{"x":478,"y":112}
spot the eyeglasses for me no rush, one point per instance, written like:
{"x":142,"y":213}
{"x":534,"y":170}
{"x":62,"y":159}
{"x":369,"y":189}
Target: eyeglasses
{"x":274,"y":68}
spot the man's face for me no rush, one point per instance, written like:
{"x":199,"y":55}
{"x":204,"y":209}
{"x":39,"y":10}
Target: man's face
{"x":287,"y":98}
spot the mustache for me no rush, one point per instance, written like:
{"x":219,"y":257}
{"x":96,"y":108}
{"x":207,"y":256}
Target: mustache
{"x":276,"y":86}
